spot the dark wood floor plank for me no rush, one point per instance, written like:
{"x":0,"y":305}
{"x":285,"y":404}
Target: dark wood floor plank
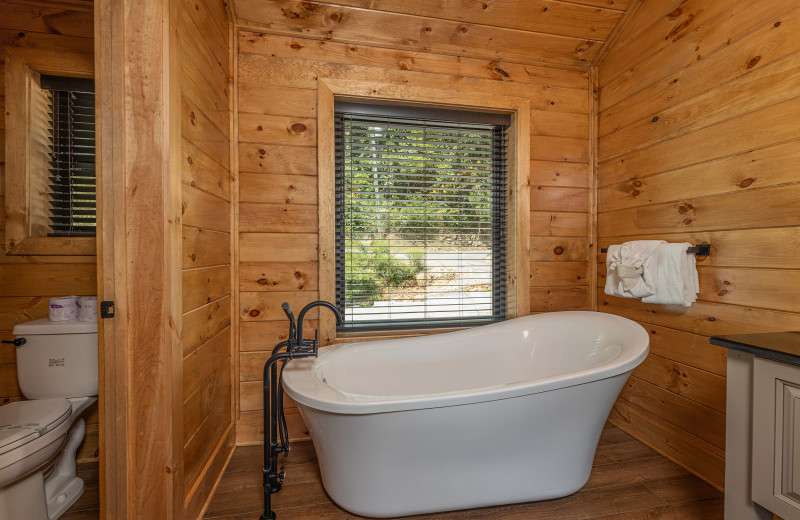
{"x":629,"y":481}
{"x":708,"y":509}
{"x":634,"y":471}
{"x":613,"y":436}
{"x":685,"y":488}
{"x":623,"y":451}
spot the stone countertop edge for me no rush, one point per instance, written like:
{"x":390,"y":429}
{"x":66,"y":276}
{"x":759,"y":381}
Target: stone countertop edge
{"x":755,"y":344}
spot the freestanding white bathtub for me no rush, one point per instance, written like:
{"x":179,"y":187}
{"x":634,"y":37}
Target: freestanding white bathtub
{"x":504,"y":413}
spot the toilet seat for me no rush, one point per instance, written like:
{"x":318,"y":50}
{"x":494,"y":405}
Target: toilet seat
{"x":25,"y":421}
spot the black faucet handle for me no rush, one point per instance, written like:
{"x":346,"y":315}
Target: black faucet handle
{"x":288,"y":310}
{"x":16,"y":342}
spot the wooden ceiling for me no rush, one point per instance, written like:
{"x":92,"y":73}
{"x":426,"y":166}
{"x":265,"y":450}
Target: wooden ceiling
{"x":566,"y":33}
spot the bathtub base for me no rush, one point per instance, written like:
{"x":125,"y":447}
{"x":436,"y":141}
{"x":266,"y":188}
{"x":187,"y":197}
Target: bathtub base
{"x":520,"y":449}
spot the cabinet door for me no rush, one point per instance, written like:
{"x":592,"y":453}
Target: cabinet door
{"x":776,"y":437}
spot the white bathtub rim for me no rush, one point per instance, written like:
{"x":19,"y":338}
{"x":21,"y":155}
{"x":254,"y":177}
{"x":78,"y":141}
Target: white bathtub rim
{"x":411,"y":406}
{"x":303,"y":386}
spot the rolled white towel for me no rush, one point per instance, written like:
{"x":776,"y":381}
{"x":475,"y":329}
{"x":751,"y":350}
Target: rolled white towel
{"x":677,"y":282}
{"x":612,"y":277}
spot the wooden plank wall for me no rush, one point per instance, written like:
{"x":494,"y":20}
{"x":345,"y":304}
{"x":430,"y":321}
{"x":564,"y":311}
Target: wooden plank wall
{"x":277,"y":78}
{"x":206,"y":126}
{"x":26,"y":282}
{"x":698,"y":142}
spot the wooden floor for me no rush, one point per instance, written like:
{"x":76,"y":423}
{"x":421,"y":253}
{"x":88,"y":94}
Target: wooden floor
{"x":88,"y":505}
{"x":629,"y":482}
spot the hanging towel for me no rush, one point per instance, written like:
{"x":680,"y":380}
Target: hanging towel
{"x":677,"y":282}
{"x":631,"y":269}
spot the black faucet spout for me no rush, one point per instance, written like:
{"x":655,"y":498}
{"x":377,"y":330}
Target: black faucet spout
{"x":301,"y":317}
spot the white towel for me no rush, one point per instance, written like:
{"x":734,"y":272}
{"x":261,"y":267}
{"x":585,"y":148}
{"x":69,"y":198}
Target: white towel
{"x":632,"y":269}
{"x":677,"y":282}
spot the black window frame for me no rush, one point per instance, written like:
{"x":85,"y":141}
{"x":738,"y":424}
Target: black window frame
{"x":500,"y":123}
{"x":72,"y":161}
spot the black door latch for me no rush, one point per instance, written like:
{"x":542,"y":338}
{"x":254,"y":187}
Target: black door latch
{"x":107,"y":309}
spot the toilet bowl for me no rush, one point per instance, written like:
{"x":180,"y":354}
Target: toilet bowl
{"x":39,"y":438}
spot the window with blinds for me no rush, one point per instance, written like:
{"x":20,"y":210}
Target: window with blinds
{"x":71,"y":191}
{"x":420,"y":216}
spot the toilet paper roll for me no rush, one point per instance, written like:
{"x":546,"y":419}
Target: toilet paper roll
{"x":63,"y":309}
{"x":87,"y":308}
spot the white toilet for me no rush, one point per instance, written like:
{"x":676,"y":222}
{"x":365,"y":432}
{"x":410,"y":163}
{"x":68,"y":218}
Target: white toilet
{"x":57,"y":372}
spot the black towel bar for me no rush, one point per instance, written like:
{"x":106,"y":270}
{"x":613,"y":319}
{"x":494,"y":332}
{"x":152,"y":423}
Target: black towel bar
{"x":699,"y":250}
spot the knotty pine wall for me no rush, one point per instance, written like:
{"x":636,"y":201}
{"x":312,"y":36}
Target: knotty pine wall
{"x":206,"y":123}
{"x":27,"y":282}
{"x":699,"y":142}
{"x":278,"y":223}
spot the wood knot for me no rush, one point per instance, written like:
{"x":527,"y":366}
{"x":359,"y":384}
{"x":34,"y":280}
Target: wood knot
{"x":194,"y":257}
{"x":463,"y":29}
{"x":296,"y":46}
{"x":635,"y":193}
{"x":638,"y":183}
{"x":262,"y":152}
{"x":777,"y":24}
{"x":193,"y":119}
{"x":752,"y":62}
{"x":712,"y":318}
{"x":254,"y":313}
{"x":189,"y":160}
{"x":675,"y":13}
{"x":683,"y":209}
{"x":298,"y":128}
{"x":558,"y":250}
{"x":427,"y":29}
{"x":747,"y":182}
{"x":298,"y":274}
{"x":335,"y":17}
{"x":655,"y":119}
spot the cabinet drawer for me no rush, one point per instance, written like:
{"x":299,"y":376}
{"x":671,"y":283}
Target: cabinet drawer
{"x":776,"y":437}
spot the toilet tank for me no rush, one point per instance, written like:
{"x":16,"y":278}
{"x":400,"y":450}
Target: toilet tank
{"x":58,"y":359}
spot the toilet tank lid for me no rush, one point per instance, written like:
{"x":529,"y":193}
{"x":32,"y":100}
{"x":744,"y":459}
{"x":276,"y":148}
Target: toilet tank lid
{"x":45,"y":326}
{"x":24,"y":421}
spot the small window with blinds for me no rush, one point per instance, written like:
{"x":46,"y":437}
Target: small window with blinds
{"x":71,"y":194}
{"x":420,"y":216}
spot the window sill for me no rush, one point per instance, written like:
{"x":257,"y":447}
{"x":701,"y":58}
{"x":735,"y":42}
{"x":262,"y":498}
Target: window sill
{"x":352,"y":337}
{"x":53,"y":246}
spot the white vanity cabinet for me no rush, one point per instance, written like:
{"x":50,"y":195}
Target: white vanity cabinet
{"x":776,"y":437}
{"x":762,"y":439}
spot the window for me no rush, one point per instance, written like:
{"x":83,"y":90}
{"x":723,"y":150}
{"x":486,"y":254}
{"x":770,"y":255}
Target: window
{"x":49,"y":177}
{"x":71,"y":148}
{"x":420,"y":216}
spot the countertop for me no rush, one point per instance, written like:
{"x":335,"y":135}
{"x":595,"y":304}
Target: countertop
{"x":778,"y":346}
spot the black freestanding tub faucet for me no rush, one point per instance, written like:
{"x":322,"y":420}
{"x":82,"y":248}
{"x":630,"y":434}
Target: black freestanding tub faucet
{"x":276,"y":436}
